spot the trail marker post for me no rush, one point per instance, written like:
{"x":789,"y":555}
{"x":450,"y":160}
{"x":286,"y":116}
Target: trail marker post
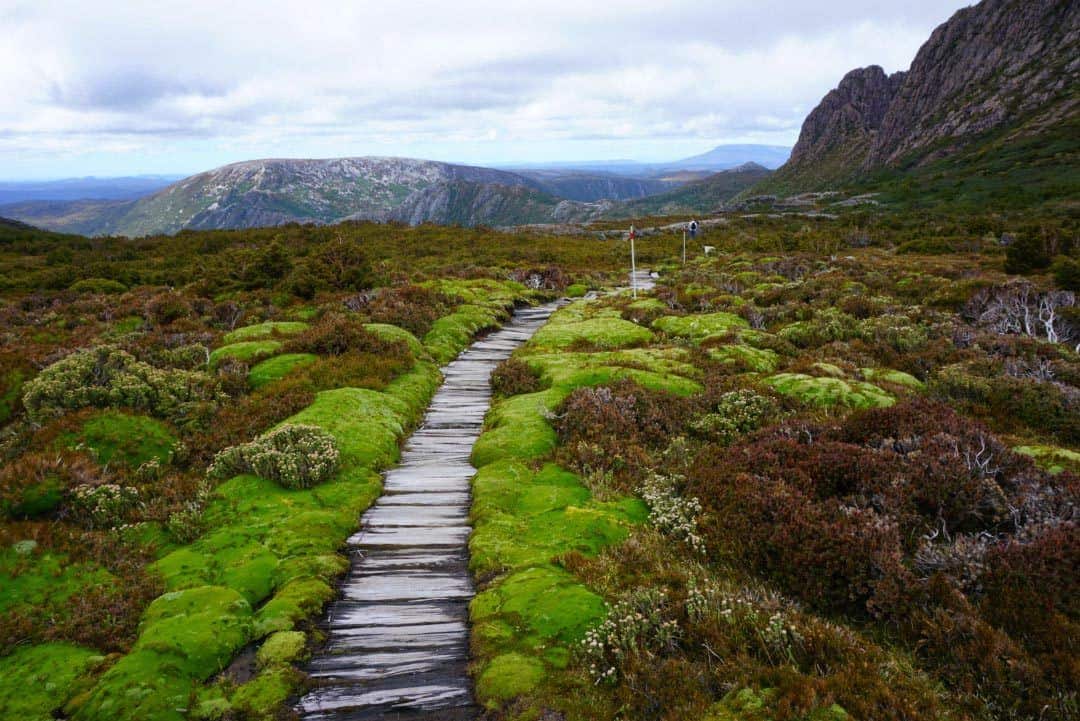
{"x":684,"y":247}
{"x":633,"y":264}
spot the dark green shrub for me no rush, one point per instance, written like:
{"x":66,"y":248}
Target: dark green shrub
{"x":107,"y":377}
{"x":513,"y":377}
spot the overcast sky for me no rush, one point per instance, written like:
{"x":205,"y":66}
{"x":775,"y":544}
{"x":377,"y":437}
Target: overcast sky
{"x":168,"y":86}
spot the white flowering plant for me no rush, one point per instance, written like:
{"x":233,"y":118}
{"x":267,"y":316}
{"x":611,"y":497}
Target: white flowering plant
{"x":296,"y":456}
{"x":672,"y":514}
{"x":639,"y":625}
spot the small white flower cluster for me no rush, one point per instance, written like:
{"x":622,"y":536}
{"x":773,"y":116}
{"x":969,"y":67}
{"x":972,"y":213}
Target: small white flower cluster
{"x":103,"y":506}
{"x":296,"y":456}
{"x":636,"y":625}
{"x":673,"y":515}
{"x":761,"y":618}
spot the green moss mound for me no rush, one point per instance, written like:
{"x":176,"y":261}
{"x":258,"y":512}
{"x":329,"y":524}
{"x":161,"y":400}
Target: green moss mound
{"x":247,"y":351}
{"x":507,"y":676}
{"x":278,"y":367}
{"x":39,"y":679}
{"x":699,"y":327}
{"x":186,"y":636}
{"x":263,"y":330}
{"x":1052,"y":458}
{"x":605,"y":333}
{"x":388,"y":332}
{"x":754,"y":359}
{"x":115,"y":436}
{"x":750,"y":705}
{"x":888,"y":375}
{"x":830,"y":391}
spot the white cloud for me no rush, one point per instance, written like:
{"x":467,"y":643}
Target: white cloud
{"x":118,"y":84}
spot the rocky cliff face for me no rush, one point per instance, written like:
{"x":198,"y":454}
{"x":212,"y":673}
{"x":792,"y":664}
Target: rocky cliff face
{"x":1002,"y":64}
{"x":989,"y":66}
{"x":840,"y":131}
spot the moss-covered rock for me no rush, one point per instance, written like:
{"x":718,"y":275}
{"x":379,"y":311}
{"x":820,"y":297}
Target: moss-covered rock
{"x":601,"y":332}
{"x":1052,"y":458}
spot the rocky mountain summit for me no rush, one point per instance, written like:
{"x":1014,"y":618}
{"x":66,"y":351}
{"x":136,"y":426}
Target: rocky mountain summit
{"x":1000,"y":66}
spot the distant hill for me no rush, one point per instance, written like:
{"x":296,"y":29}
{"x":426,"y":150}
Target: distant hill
{"x":264,"y":193}
{"x":724,"y":157}
{"x":83,"y":188}
{"x":700,"y":197}
{"x":463,"y":202}
{"x":987,"y":112}
{"x":588,"y":187}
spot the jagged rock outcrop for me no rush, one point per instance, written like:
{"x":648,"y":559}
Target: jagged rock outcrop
{"x":999,"y":65}
{"x":840,"y":131}
{"x":990,"y":65}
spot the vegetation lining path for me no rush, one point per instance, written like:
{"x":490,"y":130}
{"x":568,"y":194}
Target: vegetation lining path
{"x":398,"y":638}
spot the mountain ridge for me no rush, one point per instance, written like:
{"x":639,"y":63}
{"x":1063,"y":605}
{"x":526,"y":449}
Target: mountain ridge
{"x":1000,"y":67}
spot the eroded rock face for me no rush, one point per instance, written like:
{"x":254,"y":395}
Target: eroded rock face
{"x":998,"y":64}
{"x":990,"y":65}
{"x":839,"y":132}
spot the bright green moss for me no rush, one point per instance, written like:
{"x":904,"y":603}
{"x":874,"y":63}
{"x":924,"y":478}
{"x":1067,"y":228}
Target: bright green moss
{"x":755,"y":359}
{"x":830,"y":391}
{"x":601,"y":332}
{"x":247,"y":351}
{"x":656,"y":369}
{"x":543,"y":604}
{"x":263,"y":330}
{"x":123,"y":438}
{"x":185,"y":637}
{"x":281,"y":649}
{"x":388,"y":332}
{"x":450,"y":334}
{"x":262,"y":698}
{"x":523,"y":517}
{"x":48,"y":579}
{"x":576,"y":290}
{"x":507,"y":676}
{"x":277,"y":367}
{"x":1052,"y":458}
{"x":517,"y":428}
{"x":888,"y":375}
{"x":35,"y":681}
{"x":699,"y":327}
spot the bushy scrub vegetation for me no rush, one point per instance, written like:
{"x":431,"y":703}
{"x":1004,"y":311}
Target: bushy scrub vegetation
{"x":809,"y":477}
{"x":295,"y":456}
{"x":838,"y":529}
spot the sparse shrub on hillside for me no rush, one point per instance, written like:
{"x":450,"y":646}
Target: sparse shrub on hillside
{"x":35,"y":484}
{"x":101,"y":507}
{"x":296,"y":456}
{"x":673,"y":514}
{"x":637,"y":629}
{"x":411,"y":307}
{"x":335,"y":334}
{"x":106,"y":377}
{"x":513,"y":377}
{"x":735,"y":414}
{"x":167,"y":308}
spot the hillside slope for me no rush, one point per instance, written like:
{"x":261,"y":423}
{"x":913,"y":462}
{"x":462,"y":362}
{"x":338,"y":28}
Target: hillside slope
{"x":265,"y":193}
{"x":996,"y":77}
{"x":701,"y":196}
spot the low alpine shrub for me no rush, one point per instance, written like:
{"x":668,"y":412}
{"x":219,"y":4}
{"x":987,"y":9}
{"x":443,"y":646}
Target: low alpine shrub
{"x":296,"y":456}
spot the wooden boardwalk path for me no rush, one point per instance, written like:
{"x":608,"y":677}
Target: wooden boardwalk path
{"x":398,"y":634}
